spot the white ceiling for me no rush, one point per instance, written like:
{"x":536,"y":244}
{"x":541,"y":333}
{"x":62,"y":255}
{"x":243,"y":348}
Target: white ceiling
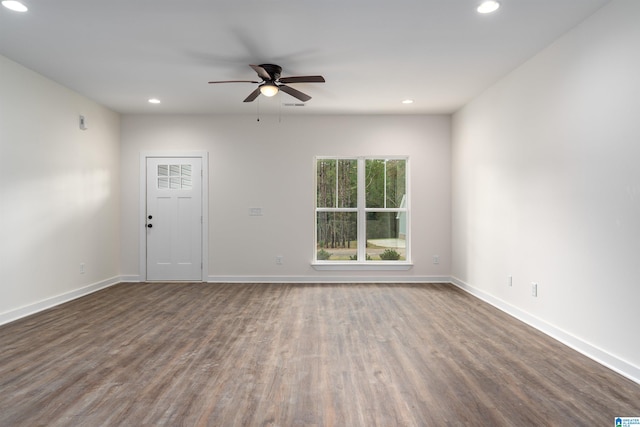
{"x":372,"y":53}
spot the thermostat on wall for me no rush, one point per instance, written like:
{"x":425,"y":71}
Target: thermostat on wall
{"x":83,"y":123}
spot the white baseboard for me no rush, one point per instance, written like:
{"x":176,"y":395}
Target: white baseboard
{"x":131,"y":279}
{"x":603,"y":357}
{"x":36,"y":307}
{"x":328,"y":279}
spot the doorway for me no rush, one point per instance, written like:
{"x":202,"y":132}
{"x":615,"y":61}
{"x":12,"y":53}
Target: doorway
{"x":174,"y":218}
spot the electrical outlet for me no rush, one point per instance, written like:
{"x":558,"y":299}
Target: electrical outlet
{"x":534,"y":289}
{"x":510,"y":281}
{"x":436,"y":259}
{"x":279,"y":259}
{"x":82,"y":268}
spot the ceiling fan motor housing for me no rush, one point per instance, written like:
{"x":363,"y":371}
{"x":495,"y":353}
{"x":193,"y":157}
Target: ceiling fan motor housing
{"x":273,"y":70}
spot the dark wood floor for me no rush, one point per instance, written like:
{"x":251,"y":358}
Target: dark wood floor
{"x":296,"y":355}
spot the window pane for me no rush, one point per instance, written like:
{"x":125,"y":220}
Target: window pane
{"x":337,"y":183}
{"x":347,"y":183}
{"x":386,"y":236}
{"x":337,"y":236}
{"x":174,"y":170}
{"x":374,"y":190}
{"x":396,"y":182}
{"x":326,"y":183}
{"x":163,"y":170}
{"x":385,"y":182}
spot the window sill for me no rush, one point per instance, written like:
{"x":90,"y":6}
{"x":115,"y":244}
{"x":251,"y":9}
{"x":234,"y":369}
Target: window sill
{"x":355,"y":266}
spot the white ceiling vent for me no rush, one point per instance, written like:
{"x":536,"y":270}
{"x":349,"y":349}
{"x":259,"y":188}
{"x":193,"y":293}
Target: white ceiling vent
{"x":293,"y":104}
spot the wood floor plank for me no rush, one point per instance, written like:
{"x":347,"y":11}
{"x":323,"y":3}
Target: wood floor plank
{"x":155,"y":354}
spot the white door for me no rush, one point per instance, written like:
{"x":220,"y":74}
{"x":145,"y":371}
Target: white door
{"x":174,"y":218}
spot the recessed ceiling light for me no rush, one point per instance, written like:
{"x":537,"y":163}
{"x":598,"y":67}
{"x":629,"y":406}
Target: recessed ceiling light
{"x":154,"y":101}
{"x":488,"y":6}
{"x":408,"y":101}
{"x":16,"y":6}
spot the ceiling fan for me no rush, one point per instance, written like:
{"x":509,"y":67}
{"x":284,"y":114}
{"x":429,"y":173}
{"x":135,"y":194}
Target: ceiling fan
{"x":272,"y":82}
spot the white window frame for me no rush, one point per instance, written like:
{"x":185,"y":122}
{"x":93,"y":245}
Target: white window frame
{"x":362,"y":210}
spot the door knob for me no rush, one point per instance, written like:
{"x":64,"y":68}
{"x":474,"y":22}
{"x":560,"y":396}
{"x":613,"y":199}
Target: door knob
{"x":150,"y":217}
{"x":150,"y":225}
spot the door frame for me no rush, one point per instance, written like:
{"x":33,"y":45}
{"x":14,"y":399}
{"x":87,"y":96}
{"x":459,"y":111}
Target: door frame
{"x":142,"y":224}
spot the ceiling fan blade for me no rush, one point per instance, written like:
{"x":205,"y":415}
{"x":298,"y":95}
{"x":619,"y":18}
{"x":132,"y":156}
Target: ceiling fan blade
{"x":261,"y":72}
{"x":295,"y":93}
{"x":253,"y":95}
{"x":236,"y":81}
{"x":302,"y":79}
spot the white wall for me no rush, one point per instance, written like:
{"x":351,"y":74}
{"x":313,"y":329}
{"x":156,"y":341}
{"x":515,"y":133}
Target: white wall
{"x":59,"y":193}
{"x":546,"y":188}
{"x":269,"y":164}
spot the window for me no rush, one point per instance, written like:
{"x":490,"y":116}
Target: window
{"x":361,"y":210}
{"x":174,"y":177}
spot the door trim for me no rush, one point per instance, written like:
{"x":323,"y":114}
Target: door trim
{"x":142,"y":228}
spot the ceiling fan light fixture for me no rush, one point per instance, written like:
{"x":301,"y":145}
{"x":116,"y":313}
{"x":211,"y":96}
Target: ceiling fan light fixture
{"x":14,"y":5}
{"x":488,"y":6}
{"x":268,"y":89}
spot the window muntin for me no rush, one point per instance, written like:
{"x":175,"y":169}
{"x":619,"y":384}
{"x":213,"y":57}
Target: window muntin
{"x":361,"y":210}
